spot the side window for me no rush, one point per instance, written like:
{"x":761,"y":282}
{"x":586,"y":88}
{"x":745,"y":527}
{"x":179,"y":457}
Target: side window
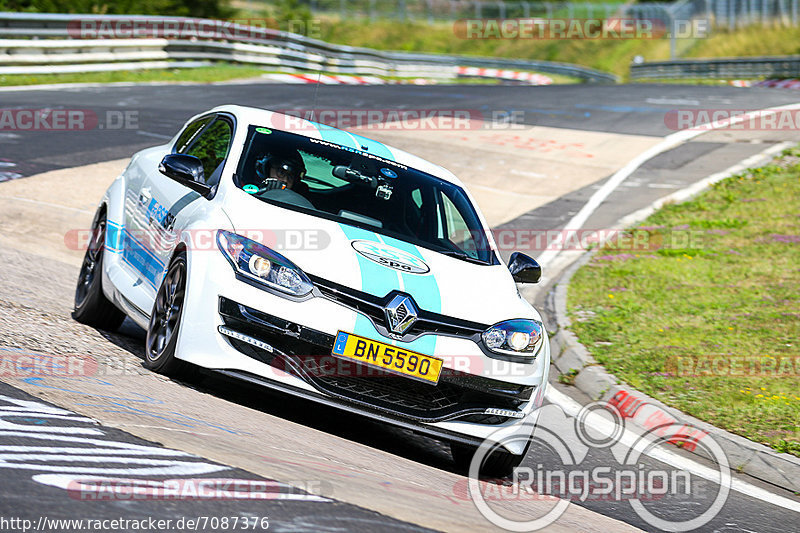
{"x":457,"y":229}
{"x":211,"y":148}
{"x":190,"y":133}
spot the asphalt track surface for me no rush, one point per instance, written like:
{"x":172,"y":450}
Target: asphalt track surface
{"x":253,"y":501}
{"x":161,"y":110}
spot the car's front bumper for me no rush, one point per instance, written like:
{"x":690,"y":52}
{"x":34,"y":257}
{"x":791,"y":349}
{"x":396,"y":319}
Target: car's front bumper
{"x":279,"y":349}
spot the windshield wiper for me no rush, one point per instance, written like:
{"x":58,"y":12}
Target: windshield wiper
{"x":462,"y":256}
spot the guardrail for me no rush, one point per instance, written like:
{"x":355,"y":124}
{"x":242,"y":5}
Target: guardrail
{"x":34,"y":41}
{"x":736,"y":68}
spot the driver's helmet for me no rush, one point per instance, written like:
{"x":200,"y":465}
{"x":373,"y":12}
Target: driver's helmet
{"x":288,"y":164}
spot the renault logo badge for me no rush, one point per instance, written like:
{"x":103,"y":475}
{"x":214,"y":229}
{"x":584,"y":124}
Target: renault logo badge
{"x":401,"y":313}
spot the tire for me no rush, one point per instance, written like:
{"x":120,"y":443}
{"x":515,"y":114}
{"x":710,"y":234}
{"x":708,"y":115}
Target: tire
{"x":498,"y":463}
{"x":91,"y":305}
{"x":165,"y":321}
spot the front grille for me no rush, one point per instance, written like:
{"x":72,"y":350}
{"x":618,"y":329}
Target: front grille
{"x":373,"y":306}
{"x":449,"y":399}
{"x":306,"y":353}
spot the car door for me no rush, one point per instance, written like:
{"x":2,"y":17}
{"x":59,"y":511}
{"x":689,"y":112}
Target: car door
{"x":138,"y":250}
{"x":168,"y":198}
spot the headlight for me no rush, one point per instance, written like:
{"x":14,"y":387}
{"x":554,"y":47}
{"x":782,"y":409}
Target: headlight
{"x":520,"y":337}
{"x":258,"y":263}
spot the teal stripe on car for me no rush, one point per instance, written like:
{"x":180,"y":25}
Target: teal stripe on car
{"x":424,"y":289}
{"x":339,"y":137}
{"x":423,"y":286}
{"x":379,"y":280}
{"x":351,"y":140}
{"x":375,"y":279}
{"x":374,"y":147}
{"x":114,"y":237}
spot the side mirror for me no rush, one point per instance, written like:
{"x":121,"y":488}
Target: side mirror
{"x":186,"y":170}
{"x":524,"y":269}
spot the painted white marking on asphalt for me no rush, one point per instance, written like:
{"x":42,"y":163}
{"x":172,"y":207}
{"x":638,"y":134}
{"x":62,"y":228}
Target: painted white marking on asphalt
{"x":171,"y":469}
{"x":531,"y":174}
{"x":175,"y":489}
{"x":566,"y":257}
{"x":89,"y":451}
{"x":7,"y":460}
{"x":156,"y":135}
{"x":34,"y":407}
{"x":672,"y":101}
{"x":122,"y":447}
{"x":34,"y":414}
{"x":693,"y":189}
{"x":630,"y":439}
{"x":670,"y":141}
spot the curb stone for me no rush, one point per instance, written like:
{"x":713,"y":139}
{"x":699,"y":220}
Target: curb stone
{"x":571,"y":357}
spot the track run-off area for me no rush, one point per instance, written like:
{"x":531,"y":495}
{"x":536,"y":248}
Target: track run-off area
{"x":534,"y":158}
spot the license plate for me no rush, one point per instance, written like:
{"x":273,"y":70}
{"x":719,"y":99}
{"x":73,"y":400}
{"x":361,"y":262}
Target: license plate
{"x":397,"y":360}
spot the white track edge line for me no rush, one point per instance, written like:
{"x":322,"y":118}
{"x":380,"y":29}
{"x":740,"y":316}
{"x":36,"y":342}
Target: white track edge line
{"x":572,"y":408}
{"x":670,"y":141}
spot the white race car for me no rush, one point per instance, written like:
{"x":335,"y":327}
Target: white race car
{"x":326,"y":265}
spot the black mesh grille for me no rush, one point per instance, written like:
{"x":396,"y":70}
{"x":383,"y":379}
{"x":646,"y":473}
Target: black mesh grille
{"x":390,"y":389}
{"x":307,"y":353}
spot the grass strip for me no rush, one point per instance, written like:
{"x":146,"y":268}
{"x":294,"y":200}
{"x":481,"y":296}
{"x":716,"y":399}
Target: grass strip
{"x":701,"y":309}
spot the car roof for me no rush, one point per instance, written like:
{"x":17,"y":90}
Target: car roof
{"x":266,"y":118}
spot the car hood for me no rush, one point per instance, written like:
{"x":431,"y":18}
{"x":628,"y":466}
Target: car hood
{"x":377,"y":264}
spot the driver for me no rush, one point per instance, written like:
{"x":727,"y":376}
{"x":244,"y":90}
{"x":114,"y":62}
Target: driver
{"x":282,"y":171}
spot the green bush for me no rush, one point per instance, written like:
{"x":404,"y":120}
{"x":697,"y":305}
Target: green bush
{"x":186,"y":8}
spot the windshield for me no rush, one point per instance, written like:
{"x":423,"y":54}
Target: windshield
{"x":363,"y":190}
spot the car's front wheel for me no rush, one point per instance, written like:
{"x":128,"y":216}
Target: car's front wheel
{"x":91,"y":305}
{"x":165,"y":321}
{"x":497,"y":463}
